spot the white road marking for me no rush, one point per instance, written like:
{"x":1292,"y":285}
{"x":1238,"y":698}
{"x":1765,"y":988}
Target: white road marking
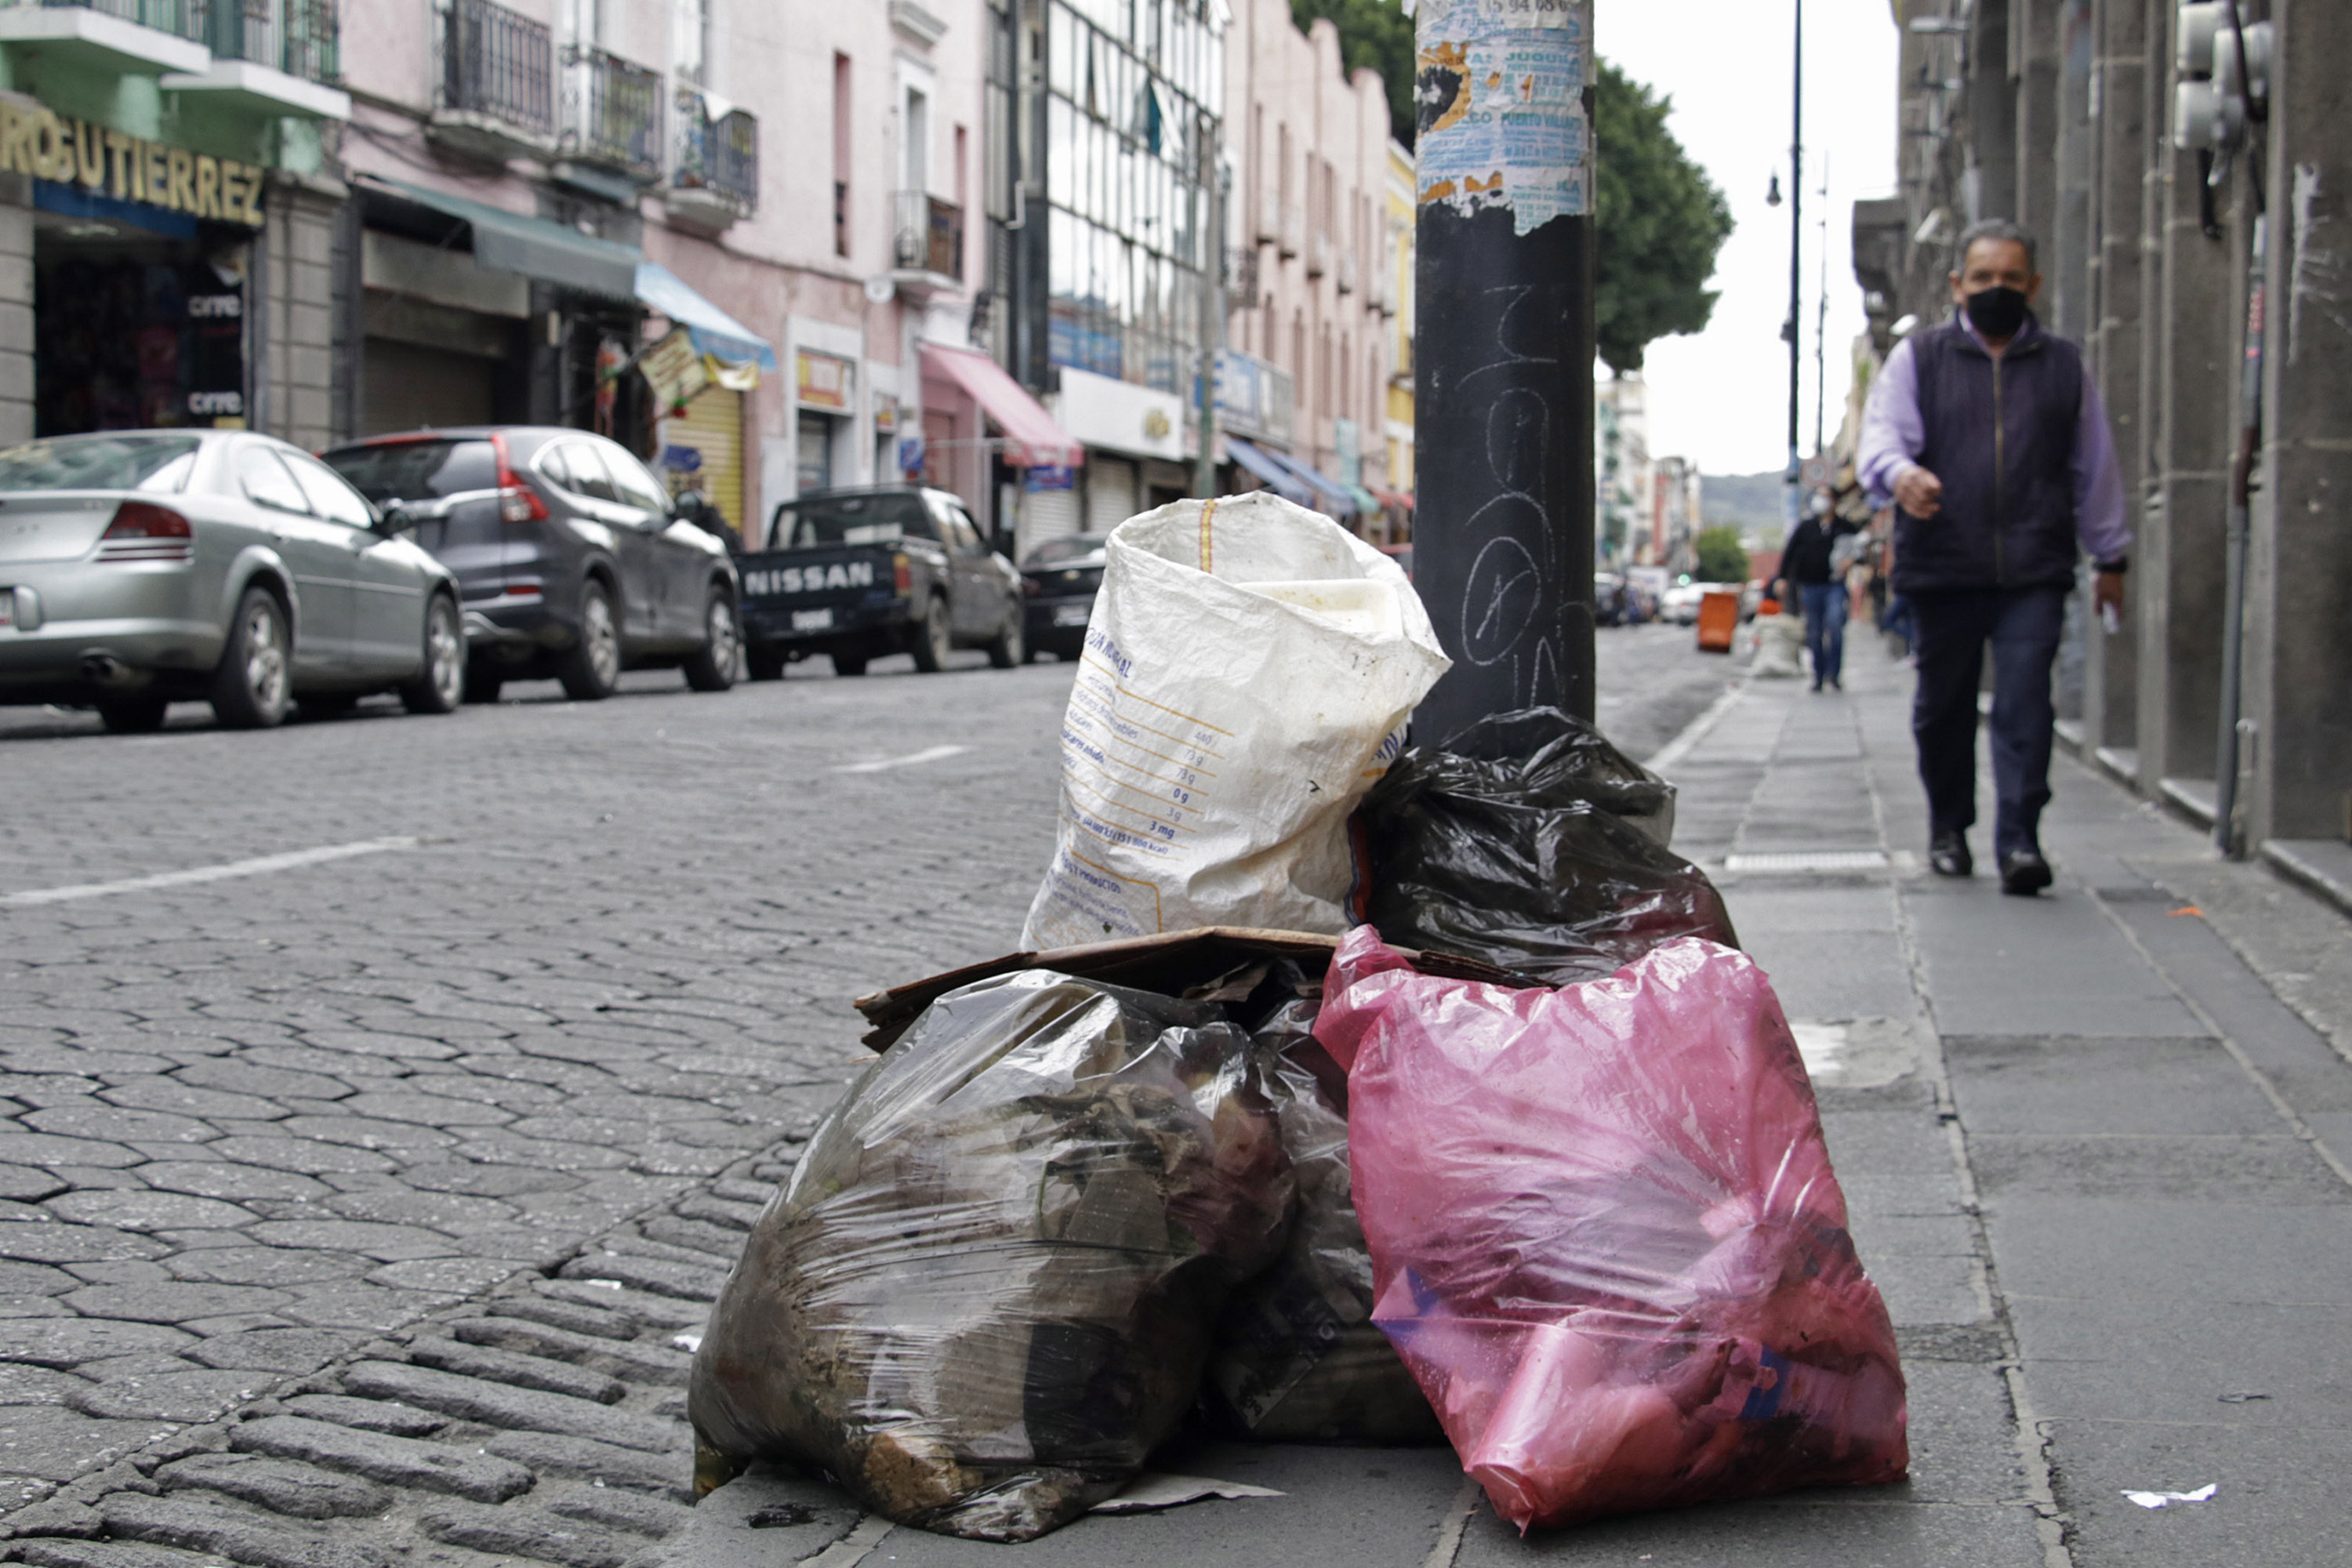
{"x":1674,"y":751}
{"x":932,"y":754}
{"x":261,"y":866}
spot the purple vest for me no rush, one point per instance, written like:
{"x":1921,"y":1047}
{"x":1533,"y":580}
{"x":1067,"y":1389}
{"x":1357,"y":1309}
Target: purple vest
{"x":2000,"y":433}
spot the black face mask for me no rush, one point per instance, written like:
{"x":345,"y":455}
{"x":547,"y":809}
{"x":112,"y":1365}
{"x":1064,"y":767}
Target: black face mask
{"x":1998,"y":312}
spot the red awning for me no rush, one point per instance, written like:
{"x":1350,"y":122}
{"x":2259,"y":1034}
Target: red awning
{"x":1393,"y":501}
{"x":1031,"y":439}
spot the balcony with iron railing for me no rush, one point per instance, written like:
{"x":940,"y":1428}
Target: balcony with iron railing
{"x":205,"y":46}
{"x":717,"y":177}
{"x":497,"y":94}
{"x":612,"y":111}
{"x":926,"y":242}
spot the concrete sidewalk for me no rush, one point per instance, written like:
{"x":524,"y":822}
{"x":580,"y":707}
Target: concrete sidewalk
{"x":2094,"y":1145}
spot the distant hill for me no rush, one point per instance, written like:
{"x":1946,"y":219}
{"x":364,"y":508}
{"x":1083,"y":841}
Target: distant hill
{"x":1745,"y":502}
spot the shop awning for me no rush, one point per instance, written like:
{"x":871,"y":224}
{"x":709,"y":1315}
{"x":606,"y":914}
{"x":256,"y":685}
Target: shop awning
{"x":1367,"y":503}
{"x":1341,"y":500}
{"x":1400,"y":502}
{"x":1031,"y":439}
{"x":712,"y":329}
{"x":509,"y":242}
{"x":1276,"y":477}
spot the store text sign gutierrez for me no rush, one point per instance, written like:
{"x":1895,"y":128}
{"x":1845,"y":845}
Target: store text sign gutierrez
{"x":40,"y":141}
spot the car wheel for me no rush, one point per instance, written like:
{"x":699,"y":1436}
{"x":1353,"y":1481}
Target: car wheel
{"x":763,"y":663}
{"x":133,"y":715}
{"x":848,"y":663}
{"x":441,"y":685}
{"x":712,"y":666}
{"x":592,"y":669}
{"x":934,"y":638}
{"x":483,"y":686}
{"x":254,"y":685}
{"x":1010,"y":647}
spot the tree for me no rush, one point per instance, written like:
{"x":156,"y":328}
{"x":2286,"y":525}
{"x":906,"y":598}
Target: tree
{"x":1721,"y":558}
{"x":1659,"y":221}
{"x":1374,"y":32}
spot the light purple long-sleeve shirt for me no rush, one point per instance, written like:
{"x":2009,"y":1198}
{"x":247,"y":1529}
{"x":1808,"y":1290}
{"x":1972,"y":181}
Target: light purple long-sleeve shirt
{"x":1893,"y":434}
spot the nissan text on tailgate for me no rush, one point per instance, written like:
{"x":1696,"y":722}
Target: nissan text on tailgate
{"x":857,"y":575}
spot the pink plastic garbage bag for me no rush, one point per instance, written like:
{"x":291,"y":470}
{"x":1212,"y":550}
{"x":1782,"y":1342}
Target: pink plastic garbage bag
{"x":1605,"y":1236}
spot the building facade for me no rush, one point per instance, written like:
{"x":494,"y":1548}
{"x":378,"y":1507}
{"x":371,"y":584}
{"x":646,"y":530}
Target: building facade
{"x":545,"y":190}
{"x":1311,"y":219}
{"x":1399,"y":214}
{"x":2194,"y":269}
{"x":1624,"y":479}
{"x":168,"y":207}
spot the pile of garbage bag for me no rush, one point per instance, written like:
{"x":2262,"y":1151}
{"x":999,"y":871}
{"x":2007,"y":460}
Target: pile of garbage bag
{"x":1526,"y":1161}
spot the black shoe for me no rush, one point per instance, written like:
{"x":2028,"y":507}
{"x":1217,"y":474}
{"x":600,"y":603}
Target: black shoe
{"x":1947,"y":854}
{"x":1835,"y":684}
{"x":2024,"y":873}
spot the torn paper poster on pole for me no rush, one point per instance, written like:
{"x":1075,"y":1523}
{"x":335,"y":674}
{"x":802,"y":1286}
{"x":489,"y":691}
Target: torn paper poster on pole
{"x":1506,"y":80}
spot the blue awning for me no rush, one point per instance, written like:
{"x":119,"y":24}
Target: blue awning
{"x":509,"y":242}
{"x":1342,"y":501}
{"x":712,"y":330}
{"x":1278,"y":479}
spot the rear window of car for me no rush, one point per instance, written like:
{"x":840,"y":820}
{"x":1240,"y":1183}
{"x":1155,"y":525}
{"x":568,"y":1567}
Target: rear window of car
{"x":418,"y":470}
{"x":850,"y":520}
{"x":153,"y":463}
{"x":1054,"y":552}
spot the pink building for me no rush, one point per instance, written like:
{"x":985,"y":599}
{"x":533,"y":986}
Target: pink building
{"x":543,"y":188}
{"x":1309,"y":146}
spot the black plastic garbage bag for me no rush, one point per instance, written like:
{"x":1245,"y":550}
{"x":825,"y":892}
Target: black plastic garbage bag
{"x":1530,"y":842}
{"x":1299,"y":1358}
{"x":988,"y":1289}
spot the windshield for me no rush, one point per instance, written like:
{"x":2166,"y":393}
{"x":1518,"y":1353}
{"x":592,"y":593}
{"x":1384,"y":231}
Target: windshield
{"x":1054,"y":552}
{"x":154,"y":463}
{"x":418,"y":470}
{"x":882,"y":519}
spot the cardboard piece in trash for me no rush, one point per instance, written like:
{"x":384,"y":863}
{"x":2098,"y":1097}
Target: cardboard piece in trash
{"x":1173,"y":963}
{"x":1157,"y":1489}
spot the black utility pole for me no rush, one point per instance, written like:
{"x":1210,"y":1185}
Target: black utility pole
{"x":1503,"y":358}
{"x":1796,"y":253}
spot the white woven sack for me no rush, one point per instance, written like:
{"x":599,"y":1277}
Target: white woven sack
{"x":1248,"y":672}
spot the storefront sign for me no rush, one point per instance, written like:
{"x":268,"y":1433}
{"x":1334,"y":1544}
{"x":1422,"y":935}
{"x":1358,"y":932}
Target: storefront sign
{"x":825,"y":381}
{"x":674,"y":369}
{"x":39,"y":141}
{"x":886,"y":413}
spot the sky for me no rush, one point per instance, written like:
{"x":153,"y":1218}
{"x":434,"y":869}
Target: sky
{"x":1721,"y":396}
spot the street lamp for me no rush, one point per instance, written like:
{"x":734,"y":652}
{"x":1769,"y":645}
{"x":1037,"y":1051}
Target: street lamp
{"x":1796,"y":250}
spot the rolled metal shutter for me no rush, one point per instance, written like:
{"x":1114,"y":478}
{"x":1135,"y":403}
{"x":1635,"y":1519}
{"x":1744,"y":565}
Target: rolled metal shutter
{"x":712,"y":424}
{"x":1047,"y":514}
{"x":1110,"y":493}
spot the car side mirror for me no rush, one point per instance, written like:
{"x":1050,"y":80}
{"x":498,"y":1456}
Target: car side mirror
{"x":393,"y":516}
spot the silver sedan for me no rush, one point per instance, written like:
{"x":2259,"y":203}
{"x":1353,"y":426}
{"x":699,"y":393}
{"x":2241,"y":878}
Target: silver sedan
{"x":144,"y":567}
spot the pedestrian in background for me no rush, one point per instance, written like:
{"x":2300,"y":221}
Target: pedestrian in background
{"x":1809,"y":572}
{"x":1993,"y":444}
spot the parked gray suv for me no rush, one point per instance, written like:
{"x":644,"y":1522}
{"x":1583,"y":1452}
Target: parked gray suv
{"x":571,"y":560}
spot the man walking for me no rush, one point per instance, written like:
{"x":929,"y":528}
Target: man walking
{"x":1993,"y":443}
{"x":1808,"y":567}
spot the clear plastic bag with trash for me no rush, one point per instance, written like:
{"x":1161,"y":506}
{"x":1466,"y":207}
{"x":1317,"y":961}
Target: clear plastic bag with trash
{"x":989,"y":1290}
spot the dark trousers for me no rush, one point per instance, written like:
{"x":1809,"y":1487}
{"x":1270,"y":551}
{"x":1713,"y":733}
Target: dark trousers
{"x":1824,"y":605}
{"x":2023,"y":626}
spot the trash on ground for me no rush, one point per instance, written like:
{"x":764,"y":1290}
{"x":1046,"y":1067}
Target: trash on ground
{"x":987,"y":1293}
{"x":1299,"y":1358}
{"x":2165,"y":1499}
{"x":1198,"y":788}
{"x":1605,"y":1233}
{"x":1530,"y":842}
{"x":1157,"y":1489}
{"x":1780,"y":646}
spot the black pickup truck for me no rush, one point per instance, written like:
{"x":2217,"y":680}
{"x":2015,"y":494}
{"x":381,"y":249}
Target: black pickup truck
{"x":858,"y":573}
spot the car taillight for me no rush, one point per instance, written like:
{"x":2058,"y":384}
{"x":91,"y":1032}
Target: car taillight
{"x":518,"y":502}
{"x":902,"y":574}
{"x":141,"y":530}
